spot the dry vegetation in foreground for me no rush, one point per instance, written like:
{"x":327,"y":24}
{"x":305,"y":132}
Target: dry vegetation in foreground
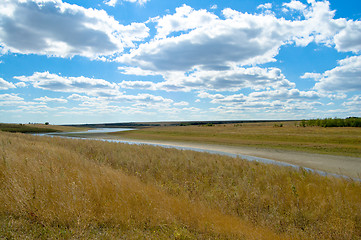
{"x":65,"y":188}
{"x":344,"y":141}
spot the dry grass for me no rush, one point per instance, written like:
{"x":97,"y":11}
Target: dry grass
{"x":62,"y":188}
{"x":335,"y":141}
{"x":59,"y":127}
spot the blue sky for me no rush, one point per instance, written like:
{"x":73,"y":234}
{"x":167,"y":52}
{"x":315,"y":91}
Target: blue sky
{"x":68,"y":61}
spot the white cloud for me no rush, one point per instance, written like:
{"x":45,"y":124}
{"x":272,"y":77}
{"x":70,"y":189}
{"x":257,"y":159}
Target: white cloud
{"x":211,"y":43}
{"x":138,"y":85}
{"x":315,"y":76}
{"x":214,"y":6}
{"x":4,"y":85}
{"x":137,"y":71}
{"x":49,"y":99}
{"x":277,"y":100}
{"x":237,"y":79}
{"x":53,"y":82}
{"x":185,"y":18}
{"x":345,"y":77}
{"x":197,"y":39}
{"x":265,"y":6}
{"x":20,"y":84}
{"x":55,"y":28}
{"x":295,"y":5}
{"x":354,"y":102}
{"x":349,"y":38}
{"x":112,"y":3}
{"x":286,"y":95}
{"x":182,"y":103}
{"x":10,"y":97}
{"x":141,"y":98}
{"x":221,"y":80}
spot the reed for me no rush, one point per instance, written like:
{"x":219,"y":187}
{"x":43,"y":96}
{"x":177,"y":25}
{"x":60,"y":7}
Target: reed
{"x":63,"y":188}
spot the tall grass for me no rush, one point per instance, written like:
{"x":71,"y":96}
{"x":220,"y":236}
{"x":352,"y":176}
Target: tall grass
{"x":62,"y":188}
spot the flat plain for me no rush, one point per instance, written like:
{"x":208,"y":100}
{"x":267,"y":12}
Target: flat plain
{"x":56,"y":188}
{"x":335,"y":141}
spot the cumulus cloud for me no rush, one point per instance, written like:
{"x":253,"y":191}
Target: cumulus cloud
{"x":141,"y":98}
{"x":55,"y":28}
{"x":20,"y":84}
{"x":197,"y":39}
{"x":54,"y":82}
{"x":349,"y":38}
{"x":4,"y":85}
{"x":237,"y":79}
{"x":211,"y":43}
{"x":185,"y":18}
{"x":222,"y":80}
{"x":112,"y":3}
{"x":182,"y":103}
{"x":265,"y":6}
{"x":138,"y":85}
{"x":49,"y":99}
{"x":10,"y":97}
{"x":354,"y":103}
{"x":295,"y":5}
{"x":286,"y":100}
{"x":137,"y":71}
{"x":286,"y":95}
{"x":345,"y":77}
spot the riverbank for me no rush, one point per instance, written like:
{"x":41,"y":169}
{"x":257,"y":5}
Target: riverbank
{"x":333,"y":164}
{"x":61,"y":188}
{"x":290,"y":136}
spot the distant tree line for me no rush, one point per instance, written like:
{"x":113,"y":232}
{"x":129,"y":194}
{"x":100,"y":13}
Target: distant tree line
{"x":333,"y":122}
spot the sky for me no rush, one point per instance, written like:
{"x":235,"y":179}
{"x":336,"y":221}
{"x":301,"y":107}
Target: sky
{"x":106,"y":61}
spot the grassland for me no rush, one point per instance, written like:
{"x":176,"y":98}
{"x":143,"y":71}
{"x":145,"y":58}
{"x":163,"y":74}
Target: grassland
{"x":55,"y":188}
{"x":37,"y":128}
{"x":344,"y":141}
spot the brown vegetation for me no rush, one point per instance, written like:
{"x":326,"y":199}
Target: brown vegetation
{"x":63,"y":188}
{"x":288,"y":136}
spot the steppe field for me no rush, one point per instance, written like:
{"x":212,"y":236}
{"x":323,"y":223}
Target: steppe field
{"x":58,"y":188}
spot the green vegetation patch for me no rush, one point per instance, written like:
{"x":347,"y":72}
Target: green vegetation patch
{"x":333,"y":122}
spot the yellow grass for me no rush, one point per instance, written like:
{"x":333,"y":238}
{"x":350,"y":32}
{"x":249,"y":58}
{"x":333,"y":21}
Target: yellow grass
{"x":336,"y":141}
{"x":63,"y":188}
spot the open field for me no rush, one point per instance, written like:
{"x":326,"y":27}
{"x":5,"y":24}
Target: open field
{"x":38,"y":128}
{"x":335,"y":141}
{"x":66,"y":188}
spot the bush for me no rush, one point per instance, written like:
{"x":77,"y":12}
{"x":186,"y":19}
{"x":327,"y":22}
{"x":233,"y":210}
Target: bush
{"x":333,"y":122}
